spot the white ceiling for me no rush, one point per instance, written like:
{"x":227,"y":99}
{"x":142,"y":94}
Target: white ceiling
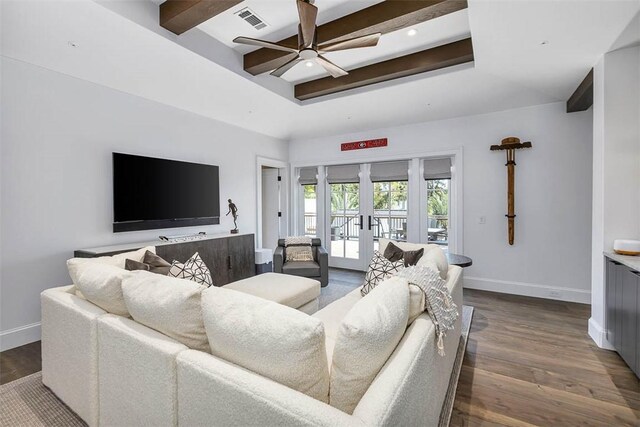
{"x":512,"y":68}
{"x":282,"y":17}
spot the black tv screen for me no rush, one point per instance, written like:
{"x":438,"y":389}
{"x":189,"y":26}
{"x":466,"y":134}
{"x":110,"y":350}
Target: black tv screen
{"x":150,"y":193}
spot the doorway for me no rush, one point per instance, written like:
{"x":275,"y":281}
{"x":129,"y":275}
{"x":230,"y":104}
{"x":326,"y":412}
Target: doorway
{"x":271,"y":203}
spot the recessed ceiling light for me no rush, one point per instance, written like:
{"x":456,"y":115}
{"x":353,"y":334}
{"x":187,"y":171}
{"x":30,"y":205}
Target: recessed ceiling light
{"x":309,"y":63}
{"x":73,"y":44}
{"x":412,"y":32}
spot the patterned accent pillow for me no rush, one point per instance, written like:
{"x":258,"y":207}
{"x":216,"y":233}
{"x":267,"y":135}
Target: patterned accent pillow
{"x":193,"y":269}
{"x":299,"y":253}
{"x":379,"y":269}
{"x":297,"y":240}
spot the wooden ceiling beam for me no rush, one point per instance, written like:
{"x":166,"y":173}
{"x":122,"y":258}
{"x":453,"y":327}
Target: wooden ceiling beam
{"x":179,"y":16}
{"x":582,"y":98}
{"x":436,"y":58}
{"x":384,"y":17}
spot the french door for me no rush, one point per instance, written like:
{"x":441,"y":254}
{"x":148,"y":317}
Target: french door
{"x":373,"y":204}
{"x":352,"y":207}
{"x":347,"y":228}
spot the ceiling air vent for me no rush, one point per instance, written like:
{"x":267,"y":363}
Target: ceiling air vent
{"x":253,"y":19}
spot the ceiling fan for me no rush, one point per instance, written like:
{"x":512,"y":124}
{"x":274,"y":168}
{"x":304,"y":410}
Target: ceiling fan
{"x":308,"y":47}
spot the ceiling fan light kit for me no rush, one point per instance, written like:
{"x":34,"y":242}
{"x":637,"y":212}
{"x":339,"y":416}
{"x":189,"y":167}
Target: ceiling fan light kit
{"x":308,"y":48}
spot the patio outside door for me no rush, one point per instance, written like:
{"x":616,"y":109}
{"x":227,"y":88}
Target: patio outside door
{"x":346,"y":220}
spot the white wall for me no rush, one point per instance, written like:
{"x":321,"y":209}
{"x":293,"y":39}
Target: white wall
{"x":616,"y":167}
{"x":551,"y":256}
{"x":58,"y":134}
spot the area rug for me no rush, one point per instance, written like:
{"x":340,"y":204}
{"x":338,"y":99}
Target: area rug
{"x":27,"y":402}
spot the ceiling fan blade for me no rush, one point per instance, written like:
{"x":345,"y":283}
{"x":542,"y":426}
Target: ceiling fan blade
{"x":278,"y":72}
{"x":281,"y":61}
{"x":263,"y":43}
{"x":308,"y":14}
{"x":362,"y":41}
{"x":331,"y":68}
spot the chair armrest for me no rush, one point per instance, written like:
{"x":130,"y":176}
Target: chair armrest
{"x":214,"y":391}
{"x":278,"y":259}
{"x":323,"y":261}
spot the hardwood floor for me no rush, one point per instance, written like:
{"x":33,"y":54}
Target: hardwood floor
{"x":529,"y":362}
{"x":20,"y":362}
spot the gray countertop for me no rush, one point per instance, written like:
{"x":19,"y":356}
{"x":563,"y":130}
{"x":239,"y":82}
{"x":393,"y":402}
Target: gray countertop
{"x":632,"y":262}
{"x":158,"y":242}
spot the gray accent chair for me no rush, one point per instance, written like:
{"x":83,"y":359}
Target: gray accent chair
{"x":317,"y":269}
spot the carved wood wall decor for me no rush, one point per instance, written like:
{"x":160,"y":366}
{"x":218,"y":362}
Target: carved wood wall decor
{"x":511,"y":144}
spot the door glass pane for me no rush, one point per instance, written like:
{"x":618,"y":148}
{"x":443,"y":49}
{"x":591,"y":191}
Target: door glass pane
{"x":438,"y":211}
{"x":390,"y":211}
{"x":310,"y":210}
{"x":345,"y":220}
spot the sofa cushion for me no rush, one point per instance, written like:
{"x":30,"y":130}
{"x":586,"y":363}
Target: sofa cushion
{"x":432,"y":253}
{"x":101,"y":284}
{"x":302,"y":268}
{"x":268,"y":338}
{"x":284,"y":289}
{"x":193,"y":269}
{"x":367,"y":336}
{"x":168,"y":305}
{"x":151,"y":262}
{"x":379,"y":269}
{"x":299,"y":253}
{"x":394,"y":253}
{"x":118,"y":260}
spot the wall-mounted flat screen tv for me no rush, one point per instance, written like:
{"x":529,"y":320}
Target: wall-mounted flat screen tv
{"x":151,"y":193}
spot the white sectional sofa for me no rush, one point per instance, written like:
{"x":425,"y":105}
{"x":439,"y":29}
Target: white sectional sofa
{"x":114,"y":371}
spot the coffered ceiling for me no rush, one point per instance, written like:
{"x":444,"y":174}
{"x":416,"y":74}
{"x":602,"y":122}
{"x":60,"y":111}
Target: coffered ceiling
{"x":526,"y":52}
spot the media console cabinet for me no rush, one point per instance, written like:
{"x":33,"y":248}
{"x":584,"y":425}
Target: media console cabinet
{"x":230,"y":257}
{"x":622,"y":290}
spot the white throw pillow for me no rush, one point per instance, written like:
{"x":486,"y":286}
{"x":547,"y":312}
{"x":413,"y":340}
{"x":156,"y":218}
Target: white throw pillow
{"x":118,"y":260}
{"x":270,"y":339}
{"x":367,"y":336}
{"x":168,"y":305}
{"x":432,"y":253}
{"x":102,"y":285}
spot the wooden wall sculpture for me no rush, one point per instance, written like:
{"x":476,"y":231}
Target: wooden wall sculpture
{"x":511,"y":144}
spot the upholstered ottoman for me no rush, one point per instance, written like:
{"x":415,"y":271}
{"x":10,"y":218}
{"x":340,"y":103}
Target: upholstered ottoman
{"x":293,"y":291}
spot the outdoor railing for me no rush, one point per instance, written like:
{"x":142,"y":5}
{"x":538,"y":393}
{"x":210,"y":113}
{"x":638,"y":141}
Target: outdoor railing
{"x":347,"y":226}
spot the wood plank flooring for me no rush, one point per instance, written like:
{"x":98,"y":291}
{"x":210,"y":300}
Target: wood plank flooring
{"x":529,"y":362}
{"x":20,"y":362}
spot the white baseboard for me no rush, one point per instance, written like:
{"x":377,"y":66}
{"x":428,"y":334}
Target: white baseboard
{"x":599,"y":335}
{"x":19,"y":336}
{"x":528,"y":289}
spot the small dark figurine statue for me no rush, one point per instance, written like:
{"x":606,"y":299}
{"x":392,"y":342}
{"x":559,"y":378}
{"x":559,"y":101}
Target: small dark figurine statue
{"x":233,"y":210}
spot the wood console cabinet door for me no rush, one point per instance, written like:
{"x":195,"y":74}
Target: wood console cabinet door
{"x":611,"y":300}
{"x":638,"y":333}
{"x":629,"y":317}
{"x":241,"y":257}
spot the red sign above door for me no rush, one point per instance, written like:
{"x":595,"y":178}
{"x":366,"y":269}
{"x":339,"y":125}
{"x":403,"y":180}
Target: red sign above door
{"x":360,"y":145}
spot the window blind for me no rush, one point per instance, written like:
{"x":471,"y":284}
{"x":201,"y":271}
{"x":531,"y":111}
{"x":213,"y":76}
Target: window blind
{"x":343,"y":174}
{"x":437,"y":168}
{"x":390,"y":171}
{"x":308,"y":176}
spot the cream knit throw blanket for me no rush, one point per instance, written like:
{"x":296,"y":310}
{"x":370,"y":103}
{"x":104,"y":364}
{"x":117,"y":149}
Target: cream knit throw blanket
{"x":438,"y":301}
